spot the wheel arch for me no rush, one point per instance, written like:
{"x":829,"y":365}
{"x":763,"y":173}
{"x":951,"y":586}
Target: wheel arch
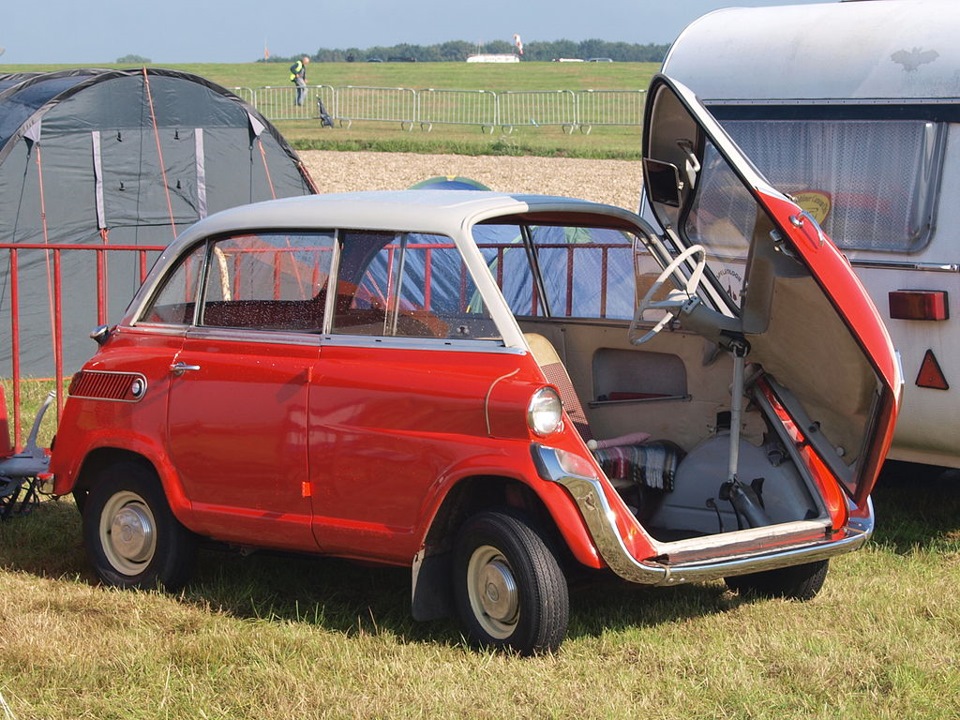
{"x":99,"y":458}
{"x":431,"y":582}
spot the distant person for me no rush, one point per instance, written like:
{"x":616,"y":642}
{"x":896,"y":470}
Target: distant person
{"x":298,"y":75}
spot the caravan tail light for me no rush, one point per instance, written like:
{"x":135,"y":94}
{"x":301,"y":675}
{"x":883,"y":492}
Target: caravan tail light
{"x":919,"y":305}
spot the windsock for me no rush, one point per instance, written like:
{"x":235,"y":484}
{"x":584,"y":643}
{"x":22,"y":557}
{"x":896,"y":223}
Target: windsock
{"x":519,"y":43}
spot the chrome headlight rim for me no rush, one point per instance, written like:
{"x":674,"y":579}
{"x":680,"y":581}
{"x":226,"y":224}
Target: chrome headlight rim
{"x":545,"y":412}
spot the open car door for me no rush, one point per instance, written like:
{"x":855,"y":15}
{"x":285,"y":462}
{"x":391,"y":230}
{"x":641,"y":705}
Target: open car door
{"x":761,"y":279}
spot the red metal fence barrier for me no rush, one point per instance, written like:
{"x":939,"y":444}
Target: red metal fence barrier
{"x":97,"y":299}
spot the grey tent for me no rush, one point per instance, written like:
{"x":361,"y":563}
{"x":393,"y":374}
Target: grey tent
{"x":113,"y":160}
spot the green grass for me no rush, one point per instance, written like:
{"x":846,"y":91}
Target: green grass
{"x":32,"y":395}
{"x":271,"y":636}
{"x":601,"y":142}
{"x":460,"y":76}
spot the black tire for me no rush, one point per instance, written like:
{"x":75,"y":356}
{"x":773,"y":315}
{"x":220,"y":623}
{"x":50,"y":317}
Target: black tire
{"x":508,"y":587}
{"x":132,"y":538}
{"x":80,"y":499}
{"x":799,"y":582}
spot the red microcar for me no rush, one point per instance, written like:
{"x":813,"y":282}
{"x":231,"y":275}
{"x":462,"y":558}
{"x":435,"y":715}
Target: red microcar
{"x":494,"y":390}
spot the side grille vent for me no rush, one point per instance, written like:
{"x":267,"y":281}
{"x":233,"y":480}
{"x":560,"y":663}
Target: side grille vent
{"x":100,"y":385}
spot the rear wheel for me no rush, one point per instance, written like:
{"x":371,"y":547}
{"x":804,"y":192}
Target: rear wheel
{"x":799,"y":582}
{"x":510,"y":591}
{"x":132,"y":538}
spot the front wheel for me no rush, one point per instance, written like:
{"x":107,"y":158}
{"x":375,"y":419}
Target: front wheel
{"x":799,"y":582}
{"x":132,"y":538}
{"x":509,"y":589}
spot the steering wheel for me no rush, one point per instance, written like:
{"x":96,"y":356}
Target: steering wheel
{"x":675,"y":300}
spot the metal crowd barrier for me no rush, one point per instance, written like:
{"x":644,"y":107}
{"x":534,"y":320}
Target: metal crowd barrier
{"x":609,"y":107}
{"x":571,"y":110}
{"x":376,"y":104}
{"x":536,"y":108}
{"x":277,"y":102}
{"x":457,"y":107}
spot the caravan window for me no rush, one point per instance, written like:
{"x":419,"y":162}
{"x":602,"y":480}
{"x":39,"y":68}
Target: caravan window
{"x":870,"y":183}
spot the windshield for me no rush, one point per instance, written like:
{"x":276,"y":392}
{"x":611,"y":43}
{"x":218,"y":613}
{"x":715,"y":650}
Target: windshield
{"x":722,"y":218}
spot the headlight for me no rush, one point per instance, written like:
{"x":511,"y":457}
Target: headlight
{"x":545,"y":412}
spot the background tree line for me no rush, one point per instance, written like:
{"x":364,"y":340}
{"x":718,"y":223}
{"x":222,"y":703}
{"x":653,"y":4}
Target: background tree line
{"x":459,"y":50}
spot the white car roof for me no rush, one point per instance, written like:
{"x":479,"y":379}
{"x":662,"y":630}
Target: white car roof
{"x":426,"y":211}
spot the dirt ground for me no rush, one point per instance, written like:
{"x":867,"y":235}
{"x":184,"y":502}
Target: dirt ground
{"x":616,"y":182}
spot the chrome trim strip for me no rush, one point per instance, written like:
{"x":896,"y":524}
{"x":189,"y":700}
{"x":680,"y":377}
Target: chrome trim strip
{"x":599,"y":517}
{"x":249,"y":335}
{"x":901,"y":265}
{"x":435,"y":344}
{"x":486,"y":399}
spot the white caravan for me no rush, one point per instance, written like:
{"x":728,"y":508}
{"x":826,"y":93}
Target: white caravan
{"x":854,"y":109}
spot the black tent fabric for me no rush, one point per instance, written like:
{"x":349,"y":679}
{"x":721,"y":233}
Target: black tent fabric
{"x":114,"y":158}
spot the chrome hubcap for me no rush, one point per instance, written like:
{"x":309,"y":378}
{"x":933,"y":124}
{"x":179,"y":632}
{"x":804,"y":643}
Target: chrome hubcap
{"x":131,"y":533}
{"x":493,"y":593}
{"x":128,"y":533}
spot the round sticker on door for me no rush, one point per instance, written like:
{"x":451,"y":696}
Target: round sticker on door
{"x":815,"y":202}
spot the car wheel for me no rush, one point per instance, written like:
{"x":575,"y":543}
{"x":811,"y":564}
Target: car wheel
{"x":509,"y":589}
{"x":132,"y":538}
{"x":799,"y":582}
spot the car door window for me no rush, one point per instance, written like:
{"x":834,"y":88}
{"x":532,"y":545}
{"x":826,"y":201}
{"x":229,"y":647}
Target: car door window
{"x":723,"y":219}
{"x":268,"y":281}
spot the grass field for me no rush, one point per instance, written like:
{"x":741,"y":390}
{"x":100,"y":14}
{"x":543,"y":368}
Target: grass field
{"x":465,"y":76}
{"x":280,"y":637}
{"x":601,"y":142}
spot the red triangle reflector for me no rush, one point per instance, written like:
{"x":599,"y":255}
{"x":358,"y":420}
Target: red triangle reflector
{"x":930,"y":375}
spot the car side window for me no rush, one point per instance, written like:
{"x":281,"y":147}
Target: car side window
{"x":587,"y":271}
{"x":407,"y":285}
{"x":562,"y":271}
{"x":268,"y":281}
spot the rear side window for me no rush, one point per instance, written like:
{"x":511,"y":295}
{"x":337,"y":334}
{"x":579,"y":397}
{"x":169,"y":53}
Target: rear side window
{"x":871,"y":184}
{"x":412,"y":285}
{"x":561,"y":271}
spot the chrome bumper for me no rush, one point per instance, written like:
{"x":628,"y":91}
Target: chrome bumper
{"x":600,"y":519}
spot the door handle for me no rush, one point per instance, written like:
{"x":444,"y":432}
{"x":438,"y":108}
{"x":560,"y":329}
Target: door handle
{"x":179,"y":368}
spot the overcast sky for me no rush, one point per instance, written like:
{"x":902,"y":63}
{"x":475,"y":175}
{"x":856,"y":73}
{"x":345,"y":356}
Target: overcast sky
{"x":175,"y":31}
